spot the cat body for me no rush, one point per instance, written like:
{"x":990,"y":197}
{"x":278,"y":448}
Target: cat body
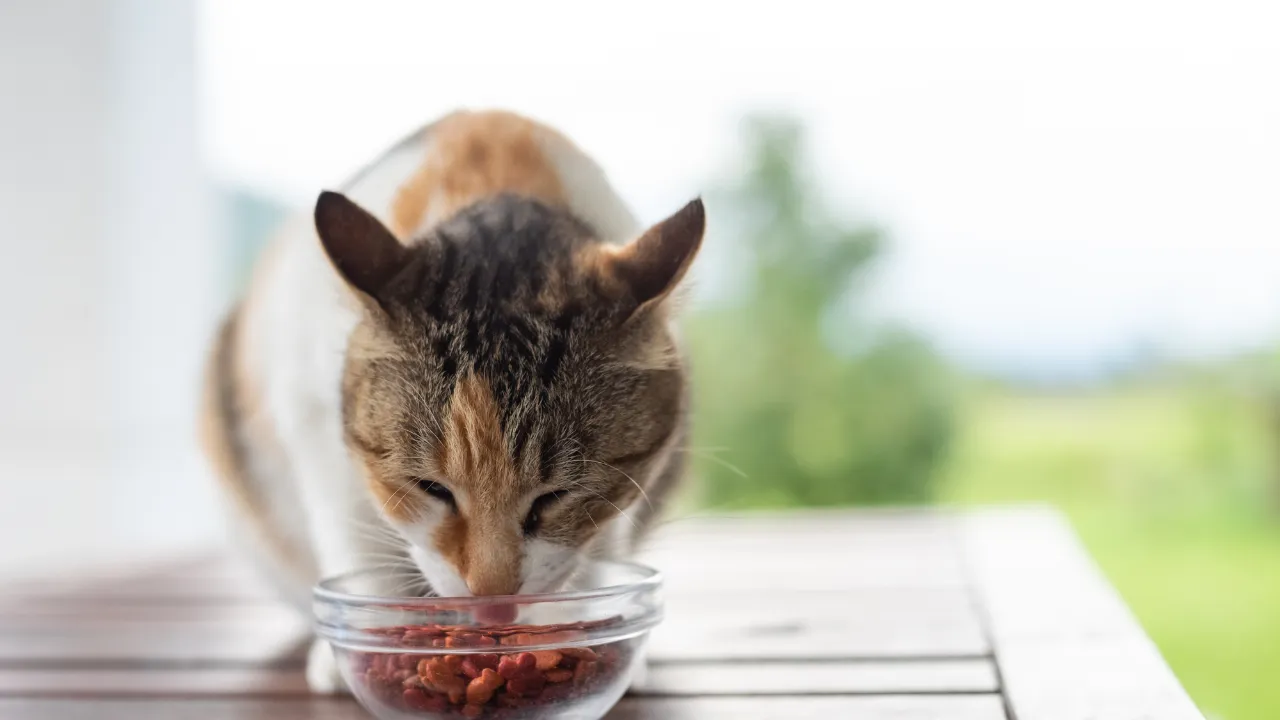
{"x":462,"y":369}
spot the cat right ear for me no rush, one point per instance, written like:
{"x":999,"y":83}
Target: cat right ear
{"x":652,"y":265}
{"x":363,"y":251}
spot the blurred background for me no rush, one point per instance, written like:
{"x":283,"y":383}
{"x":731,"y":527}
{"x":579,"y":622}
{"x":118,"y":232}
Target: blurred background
{"x":960,"y":253}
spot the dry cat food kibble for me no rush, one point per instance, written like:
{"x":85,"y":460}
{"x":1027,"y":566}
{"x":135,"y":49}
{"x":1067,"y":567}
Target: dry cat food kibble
{"x":486,"y":684}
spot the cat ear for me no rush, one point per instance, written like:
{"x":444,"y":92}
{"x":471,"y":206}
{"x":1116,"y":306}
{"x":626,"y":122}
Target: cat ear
{"x":653,"y":264}
{"x":361,"y":248}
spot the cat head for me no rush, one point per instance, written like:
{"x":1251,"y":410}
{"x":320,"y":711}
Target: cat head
{"x":513,"y":385}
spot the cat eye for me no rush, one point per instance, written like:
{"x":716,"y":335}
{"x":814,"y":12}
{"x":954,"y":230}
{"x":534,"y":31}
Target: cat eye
{"x":534,"y":519}
{"x":437,"y":491}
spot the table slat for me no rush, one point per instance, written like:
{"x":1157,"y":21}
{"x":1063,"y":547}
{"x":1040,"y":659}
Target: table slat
{"x":867,"y":623}
{"x":1066,"y":645}
{"x":956,"y":676}
{"x":854,"y":624}
{"x":821,"y":678}
{"x":961,"y":707}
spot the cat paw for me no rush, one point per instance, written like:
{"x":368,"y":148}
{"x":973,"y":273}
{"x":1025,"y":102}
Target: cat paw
{"x":323,"y":677}
{"x":640,"y":679}
{"x":640,"y":675}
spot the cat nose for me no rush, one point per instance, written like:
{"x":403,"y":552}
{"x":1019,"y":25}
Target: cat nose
{"x":493,"y":583}
{"x":494,"y":556}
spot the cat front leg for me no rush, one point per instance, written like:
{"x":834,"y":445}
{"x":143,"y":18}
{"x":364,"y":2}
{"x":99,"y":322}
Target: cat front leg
{"x":351,"y":551}
{"x":323,"y":676}
{"x":640,"y":675}
{"x":346,"y":534}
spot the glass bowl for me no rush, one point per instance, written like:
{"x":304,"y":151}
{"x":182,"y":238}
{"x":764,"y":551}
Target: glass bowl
{"x":554,"y":656}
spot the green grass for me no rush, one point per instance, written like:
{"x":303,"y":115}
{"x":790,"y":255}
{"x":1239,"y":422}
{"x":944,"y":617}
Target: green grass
{"x":1167,"y":486}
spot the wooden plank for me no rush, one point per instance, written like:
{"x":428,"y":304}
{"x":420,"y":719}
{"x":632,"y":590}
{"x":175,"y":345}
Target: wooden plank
{"x":869,"y":623}
{"x":896,"y":619}
{"x":311,"y":708}
{"x":1066,"y":645}
{"x":726,"y":553}
{"x":964,"y":707}
{"x":820,"y":678}
{"x":227,"y":641}
{"x":79,"y":629}
{"x":954,"y":676}
{"x":1093,"y":678}
{"x":866,"y":623}
{"x":112,"y":646}
{"x":155,"y":681}
{"x":81,"y":612}
{"x":698,"y":569}
{"x":211,"y":578}
{"x":877,"y":541}
{"x":893,"y":707}
{"x":73,"y":615}
{"x":872,"y":549}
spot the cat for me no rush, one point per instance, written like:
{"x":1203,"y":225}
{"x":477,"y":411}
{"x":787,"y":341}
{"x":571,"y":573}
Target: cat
{"x":462,"y":369}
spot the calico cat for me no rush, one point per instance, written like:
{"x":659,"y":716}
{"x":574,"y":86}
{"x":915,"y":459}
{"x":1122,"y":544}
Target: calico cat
{"x":462,"y":370}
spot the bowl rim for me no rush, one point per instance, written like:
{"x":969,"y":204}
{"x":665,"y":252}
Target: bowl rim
{"x":324,"y":591}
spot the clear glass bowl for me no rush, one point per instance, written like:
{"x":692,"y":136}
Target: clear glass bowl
{"x":555,"y":656}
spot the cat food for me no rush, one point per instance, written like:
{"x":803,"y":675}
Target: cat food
{"x":486,"y":684}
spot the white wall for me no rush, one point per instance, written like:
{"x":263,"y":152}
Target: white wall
{"x":109,"y":283}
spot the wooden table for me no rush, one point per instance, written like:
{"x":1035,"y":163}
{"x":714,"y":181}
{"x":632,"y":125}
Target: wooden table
{"x":874,"y":615}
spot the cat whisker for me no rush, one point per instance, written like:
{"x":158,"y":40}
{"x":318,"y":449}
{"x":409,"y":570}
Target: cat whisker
{"x":402,"y":492}
{"x":698,"y":452}
{"x":392,"y":558}
{"x":580,"y":484}
{"x":380,"y":535}
{"x":643,"y":494}
{"x":358,"y":523}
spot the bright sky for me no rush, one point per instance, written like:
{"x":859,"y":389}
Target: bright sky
{"x":1060,"y":185}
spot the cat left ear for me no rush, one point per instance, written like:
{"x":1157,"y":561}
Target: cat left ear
{"x":363,"y":251}
{"x":653,"y":264}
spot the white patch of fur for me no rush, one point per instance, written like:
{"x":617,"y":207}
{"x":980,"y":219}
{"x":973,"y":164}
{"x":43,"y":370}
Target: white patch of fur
{"x":298,"y":335}
{"x":546,"y":566}
{"x":590,"y":195}
{"x":323,"y":676}
{"x":378,"y":188}
{"x":443,"y":577}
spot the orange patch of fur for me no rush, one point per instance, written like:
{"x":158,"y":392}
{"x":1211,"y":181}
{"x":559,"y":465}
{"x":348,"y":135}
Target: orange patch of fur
{"x":451,"y":541}
{"x":597,"y":261}
{"x":475,"y":459}
{"x":474,"y":447}
{"x":471,"y":156}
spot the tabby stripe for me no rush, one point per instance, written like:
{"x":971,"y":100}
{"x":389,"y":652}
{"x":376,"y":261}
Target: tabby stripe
{"x":545,"y":455}
{"x":436,"y":307}
{"x":523,"y":431}
{"x":559,"y":342}
{"x":653,"y":447}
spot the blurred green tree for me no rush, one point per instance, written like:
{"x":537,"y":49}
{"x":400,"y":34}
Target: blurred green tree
{"x":799,"y":399}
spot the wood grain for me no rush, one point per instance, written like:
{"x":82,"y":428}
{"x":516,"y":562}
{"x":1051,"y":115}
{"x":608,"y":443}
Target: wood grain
{"x":1067,"y":646}
{"x":877,"y":615}
{"x":821,"y":678}
{"x":852,"y":624}
{"x":866,"y":623}
{"x":903,"y":707}
{"x":946,"y":676}
{"x":969,"y":707}
{"x":746,"y":554}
